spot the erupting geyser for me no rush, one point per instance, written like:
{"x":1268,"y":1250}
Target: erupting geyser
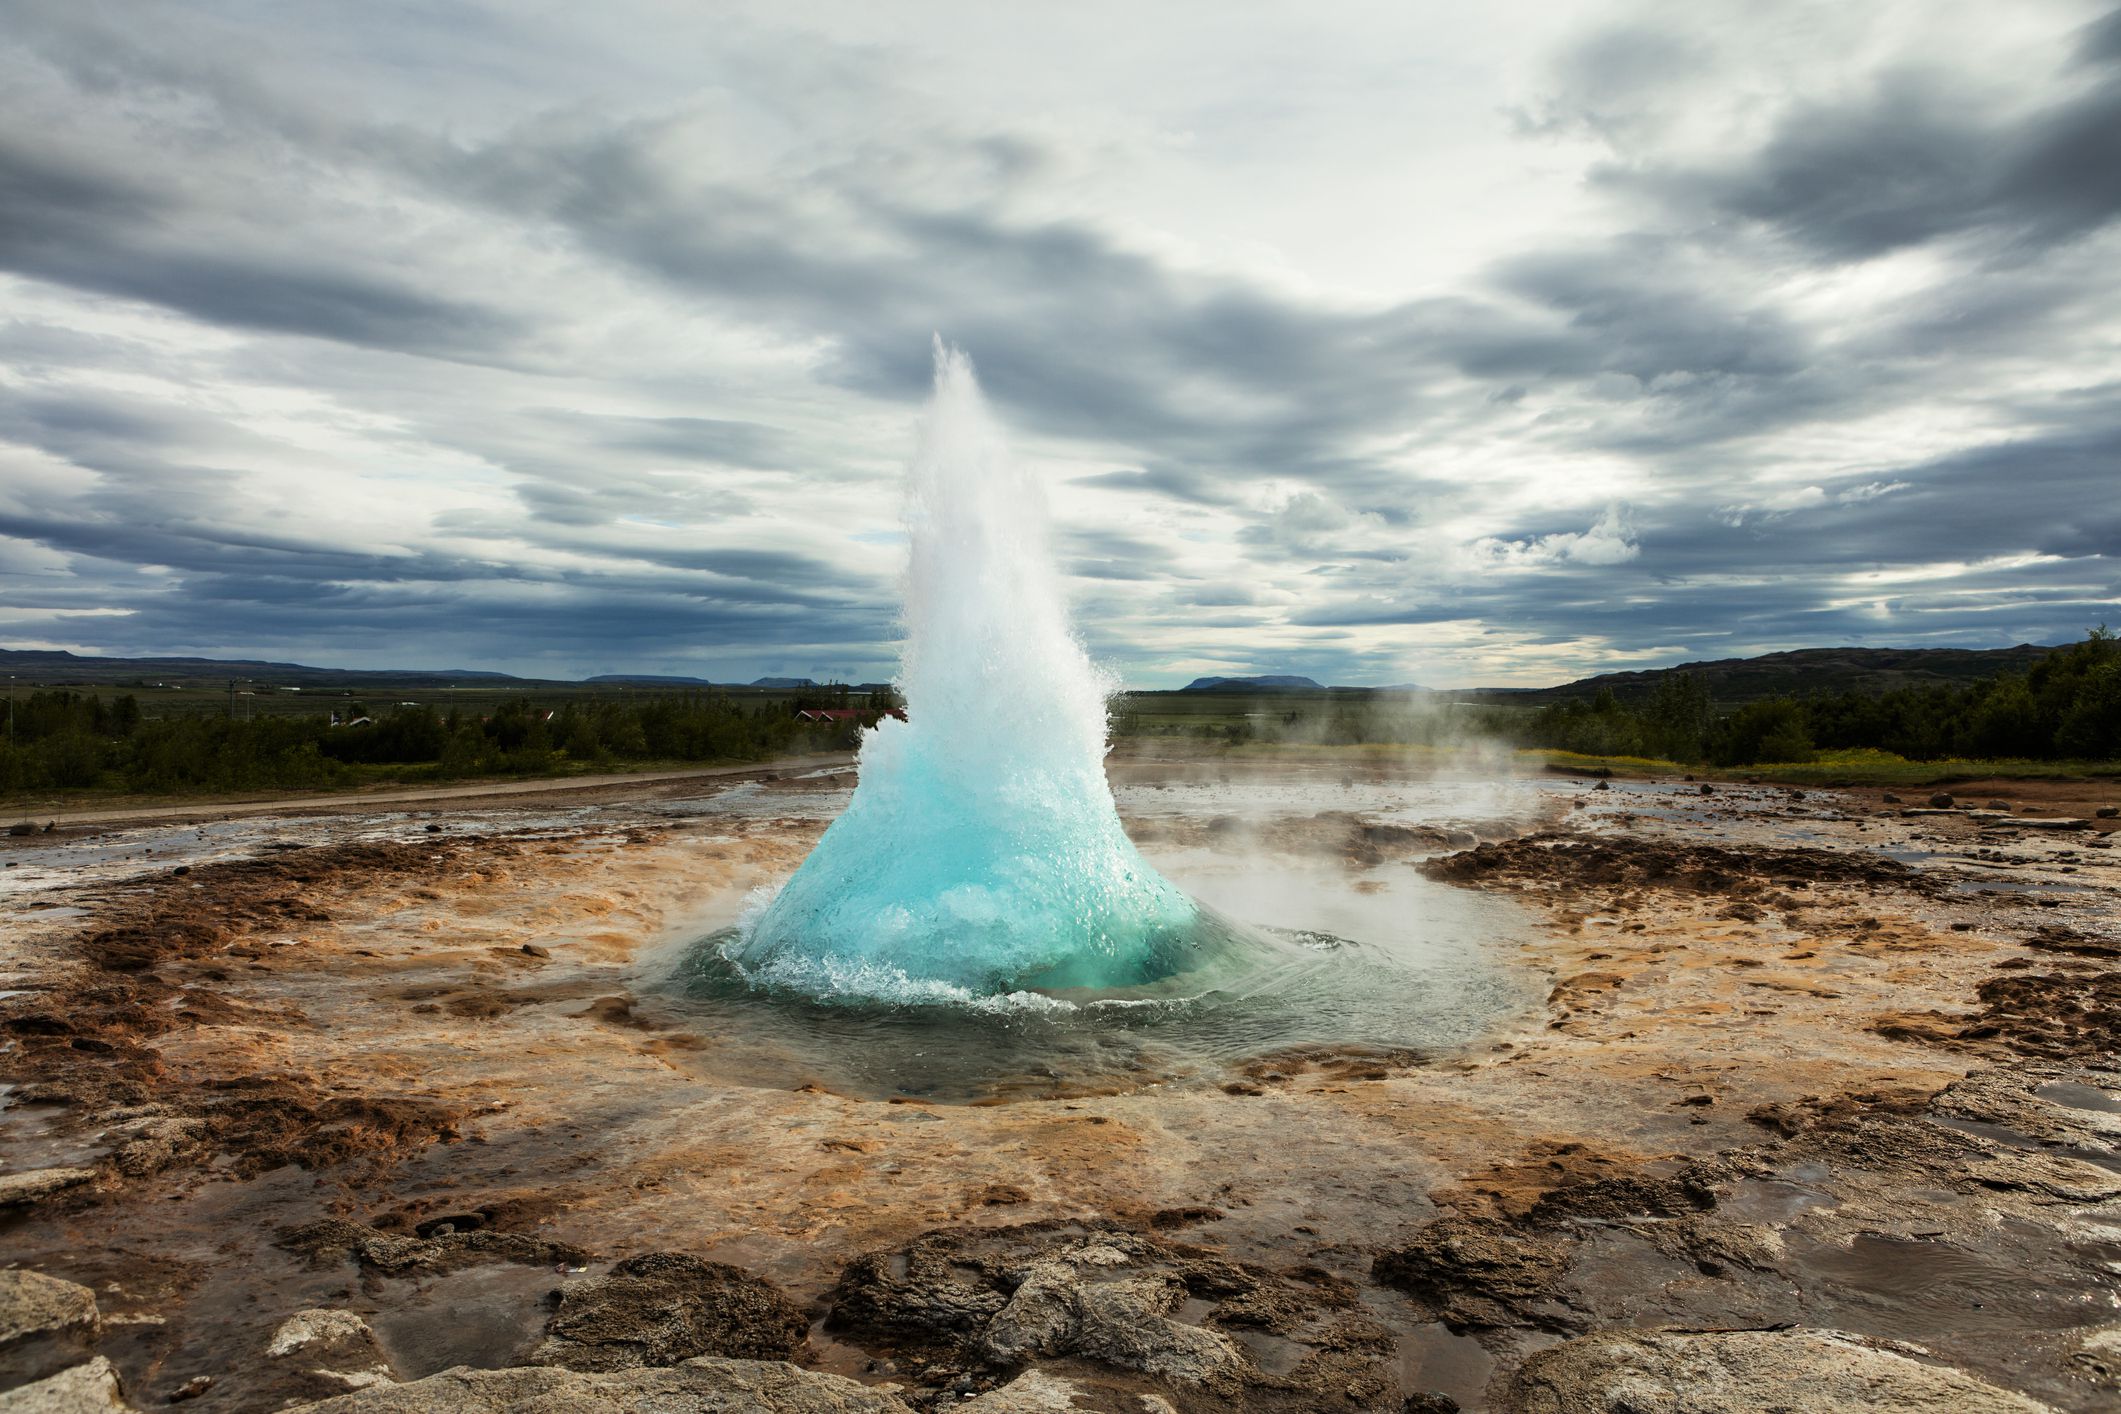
{"x":981,"y":853}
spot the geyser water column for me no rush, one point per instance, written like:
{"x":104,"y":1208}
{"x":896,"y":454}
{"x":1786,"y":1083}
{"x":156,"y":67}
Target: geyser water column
{"x":981,"y":853}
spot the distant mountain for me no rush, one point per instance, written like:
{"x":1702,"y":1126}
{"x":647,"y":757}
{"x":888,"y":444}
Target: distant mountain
{"x":1797,"y":673}
{"x":61,"y":668}
{"x":38,"y":667}
{"x":1268,"y":683}
{"x":651,"y":680}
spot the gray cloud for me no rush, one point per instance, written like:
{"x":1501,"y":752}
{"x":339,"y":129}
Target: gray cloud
{"x":652,"y":329}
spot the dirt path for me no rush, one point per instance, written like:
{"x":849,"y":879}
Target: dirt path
{"x":632,"y":786}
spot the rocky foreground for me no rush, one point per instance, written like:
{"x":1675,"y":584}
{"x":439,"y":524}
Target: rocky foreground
{"x":1821,"y":1112}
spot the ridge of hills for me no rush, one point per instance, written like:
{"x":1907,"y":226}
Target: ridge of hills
{"x":1793,"y":672}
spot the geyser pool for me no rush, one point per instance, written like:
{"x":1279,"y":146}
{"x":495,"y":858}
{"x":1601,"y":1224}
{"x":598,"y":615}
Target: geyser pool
{"x":975,"y":923}
{"x":1348,"y":957}
{"x":981,"y":854}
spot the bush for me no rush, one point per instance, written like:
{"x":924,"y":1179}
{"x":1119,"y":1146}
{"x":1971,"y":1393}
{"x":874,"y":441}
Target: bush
{"x":2068,"y":706}
{"x":1773,"y":730}
{"x":72,"y":741}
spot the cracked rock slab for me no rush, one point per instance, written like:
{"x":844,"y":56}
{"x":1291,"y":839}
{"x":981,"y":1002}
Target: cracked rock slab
{"x":1745,"y":1372}
{"x":35,"y":1185}
{"x":1036,"y":1392}
{"x":395,"y":1255}
{"x":704,"y":1386}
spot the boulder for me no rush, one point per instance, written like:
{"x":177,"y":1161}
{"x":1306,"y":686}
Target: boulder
{"x":46,"y":1325}
{"x":1942,"y":800}
{"x":90,"y":1388}
{"x":1068,"y":1305}
{"x":705,"y":1386}
{"x":335,"y":1347}
{"x":1745,"y":1372}
{"x":33,"y":1306}
{"x":664,"y":1307}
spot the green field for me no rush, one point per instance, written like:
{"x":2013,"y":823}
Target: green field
{"x":1847,"y":768}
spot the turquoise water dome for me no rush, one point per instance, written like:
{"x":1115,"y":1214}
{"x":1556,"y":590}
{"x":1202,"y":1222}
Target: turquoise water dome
{"x":981,"y":854}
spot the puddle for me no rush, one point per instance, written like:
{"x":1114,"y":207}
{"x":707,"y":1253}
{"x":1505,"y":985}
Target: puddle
{"x":2079,"y":1097}
{"x":2011,"y":1138}
{"x":1930,"y":1292}
{"x":1432,"y":1358}
{"x":39,"y":1136}
{"x":1275,"y":1354}
{"x":484,"y":1317}
{"x":1768,"y":1201}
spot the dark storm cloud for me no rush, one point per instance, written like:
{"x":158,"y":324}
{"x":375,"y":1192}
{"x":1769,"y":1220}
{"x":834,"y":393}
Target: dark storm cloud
{"x":1625,"y":312}
{"x":2100,"y":42}
{"x":69,"y":225}
{"x":1919,"y":156}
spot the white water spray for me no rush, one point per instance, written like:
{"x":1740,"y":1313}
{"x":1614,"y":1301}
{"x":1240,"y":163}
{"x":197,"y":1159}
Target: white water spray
{"x":981,"y":853}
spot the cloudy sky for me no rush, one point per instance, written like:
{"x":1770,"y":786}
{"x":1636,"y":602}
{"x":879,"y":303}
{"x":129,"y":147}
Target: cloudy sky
{"x":1439,"y":342}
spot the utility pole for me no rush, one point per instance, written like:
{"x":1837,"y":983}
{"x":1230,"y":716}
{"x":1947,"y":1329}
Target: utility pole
{"x":231,"y":699}
{"x":10,"y":711}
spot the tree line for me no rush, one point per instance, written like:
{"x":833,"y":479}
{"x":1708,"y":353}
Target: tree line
{"x":2067,"y":706}
{"x":65,"y":740}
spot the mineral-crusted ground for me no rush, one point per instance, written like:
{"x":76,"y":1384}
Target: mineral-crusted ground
{"x":1821,"y":1099}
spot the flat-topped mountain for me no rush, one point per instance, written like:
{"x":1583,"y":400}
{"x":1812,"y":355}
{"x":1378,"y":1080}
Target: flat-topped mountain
{"x":1268,"y":683}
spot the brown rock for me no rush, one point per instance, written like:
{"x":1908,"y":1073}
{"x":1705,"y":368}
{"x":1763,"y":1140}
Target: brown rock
{"x":665,"y":1307}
